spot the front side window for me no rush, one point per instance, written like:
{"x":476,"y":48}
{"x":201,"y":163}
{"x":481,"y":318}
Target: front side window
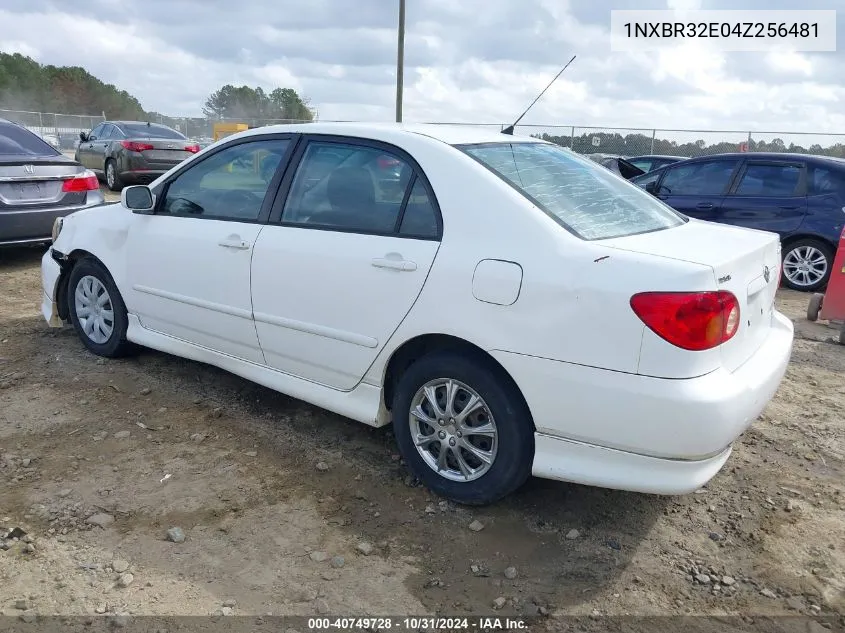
{"x":705,"y":178}
{"x":645,"y":164}
{"x":348,"y":187}
{"x":584,"y":197}
{"x":229,"y":184}
{"x":769,"y":180}
{"x":97,"y":132}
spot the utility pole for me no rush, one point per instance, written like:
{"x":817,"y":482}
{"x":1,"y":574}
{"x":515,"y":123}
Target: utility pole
{"x":400,"y":61}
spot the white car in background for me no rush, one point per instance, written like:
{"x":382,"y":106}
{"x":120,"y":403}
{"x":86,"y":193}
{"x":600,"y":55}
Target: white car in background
{"x":512,"y":308}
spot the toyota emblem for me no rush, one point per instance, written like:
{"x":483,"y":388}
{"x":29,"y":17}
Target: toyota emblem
{"x":29,"y":169}
{"x":766,"y":274}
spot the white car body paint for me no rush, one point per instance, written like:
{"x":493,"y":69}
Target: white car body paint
{"x":317,"y":315}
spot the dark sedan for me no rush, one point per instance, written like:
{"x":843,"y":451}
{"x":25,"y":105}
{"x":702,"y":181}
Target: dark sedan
{"x":132,"y":152}
{"x":800,"y":197}
{"x":37,"y":185}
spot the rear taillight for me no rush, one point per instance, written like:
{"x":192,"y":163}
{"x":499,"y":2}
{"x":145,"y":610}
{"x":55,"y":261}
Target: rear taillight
{"x":192,"y":148}
{"x":135,"y":146}
{"x":87,"y":181}
{"x":694,"y":321}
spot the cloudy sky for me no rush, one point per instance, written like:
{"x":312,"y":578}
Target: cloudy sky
{"x":466,"y":60}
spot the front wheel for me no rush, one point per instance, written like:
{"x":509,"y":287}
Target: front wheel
{"x":96,"y":310}
{"x":463,"y":428}
{"x":807,"y":264}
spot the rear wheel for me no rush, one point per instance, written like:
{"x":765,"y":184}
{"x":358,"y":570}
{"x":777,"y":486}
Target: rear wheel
{"x":806,"y":264}
{"x":463,"y":428}
{"x":97,"y":310}
{"x":112,"y":178}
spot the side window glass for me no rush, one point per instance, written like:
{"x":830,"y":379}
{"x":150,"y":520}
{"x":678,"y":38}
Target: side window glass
{"x":420,"y":218}
{"x":116,"y":133}
{"x":645,"y":165}
{"x":647,"y":179}
{"x":97,"y":132}
{"x":826,"y":181}
{"x":698,"y":179}
{"x":347,"y":187}
{"x":769,"y":180}
{"x":229,"y":184}
{"x":106,"y":133}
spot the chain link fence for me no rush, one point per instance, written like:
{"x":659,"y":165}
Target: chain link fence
{"x":65,"y":128}
{"x":56,"y":128}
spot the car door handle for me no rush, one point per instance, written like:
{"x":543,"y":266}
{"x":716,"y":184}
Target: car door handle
{"x":394,"y":264}
{"x":233,"y":241}
{"x":704,"y":205}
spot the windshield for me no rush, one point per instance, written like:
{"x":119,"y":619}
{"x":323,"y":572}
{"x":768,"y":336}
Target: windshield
{"x":581,"y":195}
{"x":18,"y":141}
{"x":142,"y":130}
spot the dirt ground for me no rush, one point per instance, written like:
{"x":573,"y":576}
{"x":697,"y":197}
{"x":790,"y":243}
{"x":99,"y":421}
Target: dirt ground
{"x":100,"y":458}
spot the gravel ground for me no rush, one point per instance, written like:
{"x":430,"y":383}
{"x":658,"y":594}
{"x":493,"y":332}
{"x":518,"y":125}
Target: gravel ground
{"x":284,"y":508}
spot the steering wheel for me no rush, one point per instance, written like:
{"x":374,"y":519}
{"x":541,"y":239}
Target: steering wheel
{"x":235,"y":200}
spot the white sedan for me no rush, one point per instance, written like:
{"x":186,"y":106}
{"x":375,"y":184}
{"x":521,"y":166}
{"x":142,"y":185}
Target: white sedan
{"x":510,"y":307}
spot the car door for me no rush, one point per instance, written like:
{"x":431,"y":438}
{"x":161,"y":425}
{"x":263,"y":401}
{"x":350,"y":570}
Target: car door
{"x":189,"y":262}
{"x":86,"y":148}
{"x":770,"y":195}
{"x":101,"y":147}
{"x":697,"y":189}
{"x":344,"y":258}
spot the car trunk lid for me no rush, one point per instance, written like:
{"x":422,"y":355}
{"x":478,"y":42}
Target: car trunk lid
{"x":745,"y":262}
{"x":32,"y":181}
{"x":161,"y":152}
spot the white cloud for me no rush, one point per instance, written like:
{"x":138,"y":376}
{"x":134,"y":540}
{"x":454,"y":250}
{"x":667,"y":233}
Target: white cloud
{"x":467,"y":60}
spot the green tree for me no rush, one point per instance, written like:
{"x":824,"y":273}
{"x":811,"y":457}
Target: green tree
{"x":243,"y":102}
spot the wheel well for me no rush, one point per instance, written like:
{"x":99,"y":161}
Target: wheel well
{"x":795,"y":238}
{"x":67,"y":265}
{"x":415,"y":348}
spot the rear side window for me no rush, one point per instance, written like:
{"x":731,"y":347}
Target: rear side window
{"x":769,"y":180}
{"x":348,"y":187}
{"x":827,"y":181}
{"x":420,"y":217}
{"x":706,"y":178}
{"x":18,"y":141}
{"x":585,"y":198}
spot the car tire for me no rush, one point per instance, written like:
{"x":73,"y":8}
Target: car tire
{"x":499,"y":428}
{"x":103,"y":332}
{"x":113,"y":181}
{"x":815,"y":306}
{"x":796,"y":254}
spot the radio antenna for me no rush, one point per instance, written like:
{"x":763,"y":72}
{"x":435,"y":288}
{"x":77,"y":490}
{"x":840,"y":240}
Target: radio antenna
{"x":509,"y":129}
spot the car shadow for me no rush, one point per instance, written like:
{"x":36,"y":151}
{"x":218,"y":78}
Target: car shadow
{"x":533,"y":529}
{"x":19,"y":257}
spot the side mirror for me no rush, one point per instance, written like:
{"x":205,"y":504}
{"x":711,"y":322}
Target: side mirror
{"x":83,"y":136}
{"x":138,"y":199}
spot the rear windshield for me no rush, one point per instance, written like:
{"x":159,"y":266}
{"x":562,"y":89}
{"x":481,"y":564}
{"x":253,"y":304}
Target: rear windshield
{"x":18,"y":141}
{"x":142,"y":130}
{"x":581,"y":195}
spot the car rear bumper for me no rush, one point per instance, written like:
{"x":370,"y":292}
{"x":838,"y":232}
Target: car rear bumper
{"x":35,"y":225}
{"x":141,"y":176}
{"x":637,"y":423}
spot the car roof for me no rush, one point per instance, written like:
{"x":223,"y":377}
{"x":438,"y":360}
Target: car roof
{"x":666,"y":156}
{"x":452,"y":134}
{"x":771,"y":156}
